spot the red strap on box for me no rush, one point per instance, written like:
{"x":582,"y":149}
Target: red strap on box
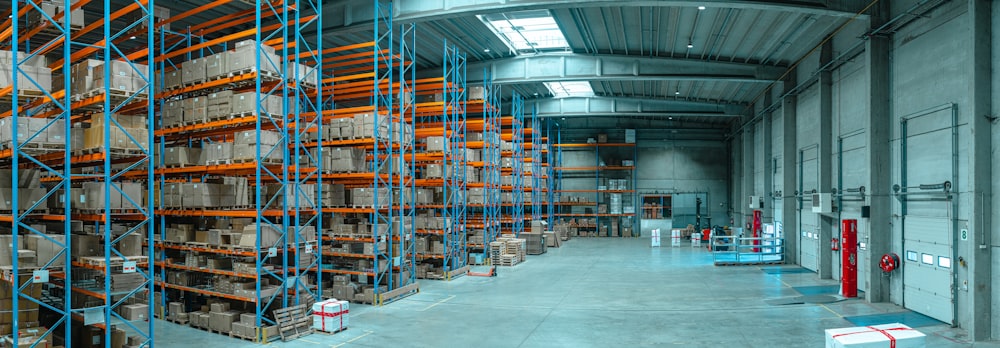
{"x":892,"y":340}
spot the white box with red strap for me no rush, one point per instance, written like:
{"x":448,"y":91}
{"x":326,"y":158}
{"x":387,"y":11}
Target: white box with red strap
{"x":877,"y":336}
{"x":331,"y":315}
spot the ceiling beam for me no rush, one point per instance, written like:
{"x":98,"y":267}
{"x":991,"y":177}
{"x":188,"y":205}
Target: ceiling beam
{"x":357,"y":14}
{"x":628,"y":107}
{"x":578,"y":67}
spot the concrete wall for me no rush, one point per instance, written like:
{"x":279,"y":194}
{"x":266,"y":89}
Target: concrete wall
{"x":929,"y":67}
{"x":677,"y":167}
{"x":995,"y":232}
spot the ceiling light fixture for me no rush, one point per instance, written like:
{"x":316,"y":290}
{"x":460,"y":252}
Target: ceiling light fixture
{"x":487,"y":50}
{"x":563,"y":118}
{"x":701,"y":8}
{"x":536,"y":94}
{"x":131,"y":37}
{"x":670,"y":118}
{"x":690,"y":44}
{"x":677,"y":92}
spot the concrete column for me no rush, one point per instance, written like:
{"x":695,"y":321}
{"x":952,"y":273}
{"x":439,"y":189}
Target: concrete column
{"x":735,"y":203}
{"x":977,"y":248}
{"x":749,"y":139}
{"x":880,"y":159}
{"x":768,"y":176}
{"x":790,"y":155}
{"x":826,"y":222}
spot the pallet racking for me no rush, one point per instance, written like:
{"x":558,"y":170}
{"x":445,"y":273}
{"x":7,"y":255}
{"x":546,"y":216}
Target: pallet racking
{"x":601,"y":193}
{"x":443,"y":124}
{"x":485,"y":218}
{"x":46,"y":171}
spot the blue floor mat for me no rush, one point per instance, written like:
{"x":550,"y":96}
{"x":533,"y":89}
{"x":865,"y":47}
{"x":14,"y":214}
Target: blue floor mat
{"x":818,"y":290}
{"x":908,"y":318}
{"x":785,"y":270}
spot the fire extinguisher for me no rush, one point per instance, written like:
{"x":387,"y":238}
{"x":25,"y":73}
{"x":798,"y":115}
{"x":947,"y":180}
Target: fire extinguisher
{"x":889,"y":262}
{"x":834,"y":244}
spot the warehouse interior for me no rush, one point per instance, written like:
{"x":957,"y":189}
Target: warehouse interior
{"x":504,"y":173}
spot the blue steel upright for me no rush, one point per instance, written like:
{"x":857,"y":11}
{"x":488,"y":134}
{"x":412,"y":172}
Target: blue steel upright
{"x":517,"y":137}
{"x":307,"y":99}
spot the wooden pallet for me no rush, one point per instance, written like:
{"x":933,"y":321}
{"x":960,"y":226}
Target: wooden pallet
{"x":293,"y":322}
{"x":100,"y":261}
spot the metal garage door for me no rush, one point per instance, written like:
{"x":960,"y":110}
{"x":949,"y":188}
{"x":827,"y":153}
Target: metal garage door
{"x":809,"y":221}
{"x":928,"y":229}
{"x":927,"y":282}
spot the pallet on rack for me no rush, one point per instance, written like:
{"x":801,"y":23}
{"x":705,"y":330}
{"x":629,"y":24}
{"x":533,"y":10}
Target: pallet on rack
{"x":293,"y":322}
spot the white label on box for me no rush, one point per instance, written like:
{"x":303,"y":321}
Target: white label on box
{"x":309,"y":248}
{"x":272,"y":252}
{"x":40,"y":276}
{"x":128,"y":267}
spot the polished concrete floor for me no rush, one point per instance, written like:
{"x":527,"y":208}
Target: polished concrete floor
{"x":595,"y":293}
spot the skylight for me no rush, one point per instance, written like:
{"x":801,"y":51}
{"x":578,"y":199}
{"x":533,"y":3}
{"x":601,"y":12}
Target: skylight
{"x":527,"y":31}
{"x":570,"y":89}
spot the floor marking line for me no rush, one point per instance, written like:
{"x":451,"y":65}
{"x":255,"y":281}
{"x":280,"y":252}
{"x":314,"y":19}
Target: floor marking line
{"x":437,"y":303}
{"x":831,"y":311}
{"x":313,"y":342}
{"x":353,"y":339}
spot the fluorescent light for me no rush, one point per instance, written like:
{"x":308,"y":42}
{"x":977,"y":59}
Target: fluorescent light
{"x":567,"y":89}
{"x":527,"y":30}
{"x":701,"y":8}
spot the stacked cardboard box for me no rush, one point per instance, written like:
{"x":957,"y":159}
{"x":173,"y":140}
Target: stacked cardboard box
{"x":35,"y":69}
{"x":195,"y":109}
{"x":243,"y":59}
{"x":219,"y":105}
{"x":29,"y":190}
{"x":132,"y":135}
{"x":330,"y":315}
{"x":217,"y":153}
{"x":55,"y":10}
{"x":342,"y":159}
{"x":193,"y":71}
{"x":172,"y":113}
{"x":246,"y":143}
{"x":245,"y":104}
{"x":129,"y":195}
{"x":181,"y":156}
{"x":33,"y":132}
{"x":371,"y":126}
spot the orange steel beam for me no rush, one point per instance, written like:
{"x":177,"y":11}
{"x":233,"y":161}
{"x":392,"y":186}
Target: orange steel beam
{"x":8,"y":24}
{"x":96,"y":46}
{"x":46,"y":23}
{"x":230,"y":37}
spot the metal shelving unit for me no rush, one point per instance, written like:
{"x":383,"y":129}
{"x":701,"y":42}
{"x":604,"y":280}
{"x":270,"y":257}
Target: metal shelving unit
{"x":384,"y":88}
{"x":45,"y":166}
{"x":446,"y":119}
{"x":598,"y":170}
{"x":287,"y":102}
{"x":516,"y":210}
{"x":487,"y":216}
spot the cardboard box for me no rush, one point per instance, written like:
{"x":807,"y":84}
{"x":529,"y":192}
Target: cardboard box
{"x":194,"y":70}
{"x":331,"y":315}
{"x":135,"y":311}
{"x":895,"y":335}
{"x":223,"y":321}
{"x":217,"y":65}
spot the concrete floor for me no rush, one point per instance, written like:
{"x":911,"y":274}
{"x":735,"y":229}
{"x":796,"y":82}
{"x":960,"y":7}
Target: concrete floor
{"x":595,"y":293}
